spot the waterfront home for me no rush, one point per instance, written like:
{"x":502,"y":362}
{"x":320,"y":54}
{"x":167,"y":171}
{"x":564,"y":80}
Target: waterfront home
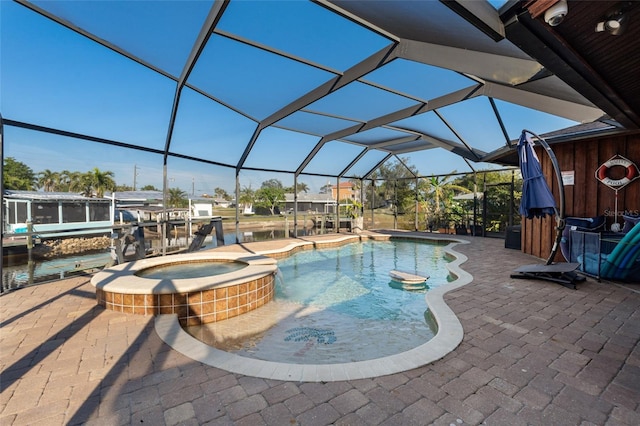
{"x":55,"y":214}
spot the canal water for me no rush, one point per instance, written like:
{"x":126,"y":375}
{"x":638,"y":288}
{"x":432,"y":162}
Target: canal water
{"x":20,"y":272}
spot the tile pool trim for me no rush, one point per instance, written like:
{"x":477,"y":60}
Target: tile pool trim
{"x":447,"y":338}
{"x":194,"y":300}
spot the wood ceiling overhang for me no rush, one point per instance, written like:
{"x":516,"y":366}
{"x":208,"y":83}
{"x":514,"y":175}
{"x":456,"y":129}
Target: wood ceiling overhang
{"x":604,"y":68}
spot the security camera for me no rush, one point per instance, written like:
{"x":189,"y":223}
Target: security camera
{"x":556,"y":13}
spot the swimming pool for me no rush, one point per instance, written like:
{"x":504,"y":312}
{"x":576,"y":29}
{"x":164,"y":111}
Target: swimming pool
{"x":338,"y":305}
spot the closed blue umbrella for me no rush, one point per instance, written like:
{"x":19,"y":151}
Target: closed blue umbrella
{"x":537,"y":199}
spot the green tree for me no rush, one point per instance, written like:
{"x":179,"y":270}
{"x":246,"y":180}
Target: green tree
{"x":149,"y":188}
{"x":17,"y":175}
{"x":439,"y":198}
{"x":270,"y":195}
{"x":221,"y":193}
{"x":353,"y":208}
{"x":300,"y":187}
{"x":120,"y":188}
{"x":247,"y":197}
{"x":326,"y":189}
{"x":63,"y":181}
{"x":395,"y":184}
{"x":82,"y":183}
{"x":498,"y":196}
{"x":100,"y":181}
{"x":177,"y":198}
{"x":48,"y":180}
{"x":75,"y":182}
{"x":441,"y":189}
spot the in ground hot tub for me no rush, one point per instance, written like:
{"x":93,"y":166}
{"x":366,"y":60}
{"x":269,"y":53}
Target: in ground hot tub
{"x":191,"y":269}
{"x":198,"y":287}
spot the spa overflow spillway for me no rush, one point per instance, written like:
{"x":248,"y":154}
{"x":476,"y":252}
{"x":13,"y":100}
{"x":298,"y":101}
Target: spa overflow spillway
{"x":338,"y":305}
{"x":197,"y":287}
{"x":188,"y":270}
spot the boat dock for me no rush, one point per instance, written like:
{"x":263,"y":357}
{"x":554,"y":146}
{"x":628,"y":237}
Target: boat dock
{"x":329,"y":222}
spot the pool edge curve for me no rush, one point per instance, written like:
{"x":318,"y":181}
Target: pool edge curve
{"x":449,"y":335}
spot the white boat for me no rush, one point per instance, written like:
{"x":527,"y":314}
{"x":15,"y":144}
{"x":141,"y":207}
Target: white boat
{"x":407,"y":278}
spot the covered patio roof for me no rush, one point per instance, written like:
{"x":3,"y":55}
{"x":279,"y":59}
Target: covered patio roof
{"x":318,"y":88}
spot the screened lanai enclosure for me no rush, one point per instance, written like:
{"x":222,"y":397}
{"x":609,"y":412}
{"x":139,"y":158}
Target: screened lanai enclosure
{"x":212,"y":97}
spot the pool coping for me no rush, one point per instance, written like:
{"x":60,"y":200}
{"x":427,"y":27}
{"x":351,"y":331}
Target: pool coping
{"x":122,"y":278}
{"x":447,"y":338}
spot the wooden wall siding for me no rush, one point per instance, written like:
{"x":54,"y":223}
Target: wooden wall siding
{"x":587,"y":197}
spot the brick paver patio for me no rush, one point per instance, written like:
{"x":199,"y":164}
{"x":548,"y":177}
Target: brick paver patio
{"x":534,"y":353}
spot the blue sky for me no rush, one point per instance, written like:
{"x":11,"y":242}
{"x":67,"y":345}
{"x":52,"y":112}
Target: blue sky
{"x":54,"y":77}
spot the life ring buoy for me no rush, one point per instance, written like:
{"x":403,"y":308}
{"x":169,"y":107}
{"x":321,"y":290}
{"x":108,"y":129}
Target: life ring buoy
{"x":602,"y":173}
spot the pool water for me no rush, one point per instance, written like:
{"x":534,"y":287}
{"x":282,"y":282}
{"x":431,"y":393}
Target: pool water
{"x":184,"y":270}
{"x":338,"y":305}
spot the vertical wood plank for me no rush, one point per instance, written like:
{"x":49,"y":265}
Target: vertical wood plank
{"x":588,"y":197}
{"x":566,"y":158}
{"x":547,"y":225}
{"x":591,"y":189}
{"x":632,"y":200}
{"x":579,"y":206}
{"x":606,"y":199}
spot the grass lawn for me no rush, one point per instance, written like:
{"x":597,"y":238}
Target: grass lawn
{"x":383,"y":219}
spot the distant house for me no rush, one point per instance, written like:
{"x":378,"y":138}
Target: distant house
{"x":310,"y":203}
{"x":348,"y":191}
{"x":145,"y":206}
{"x":128,"y":200}
{"x":221,"y":202}
{"x":203,"y":206}
{"x":201,"y":209}
{"x":55,"y":214}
